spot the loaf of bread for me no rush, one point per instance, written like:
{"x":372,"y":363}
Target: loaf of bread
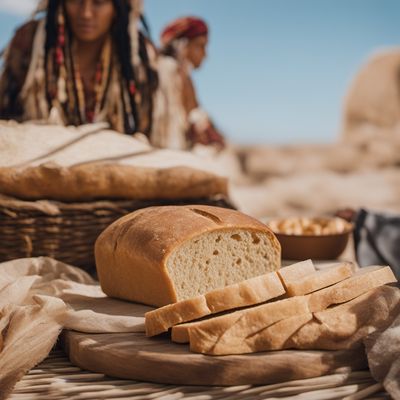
{"x":271,"y":325}
{"x":109,"y":181}
{"x":161,"y":255}
{"x":249,"y":292}
{"x":90,"y":162}
{"x":298,"y":278}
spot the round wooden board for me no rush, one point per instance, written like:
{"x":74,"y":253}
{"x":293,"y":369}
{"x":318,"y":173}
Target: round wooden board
{"x":134,"y":356}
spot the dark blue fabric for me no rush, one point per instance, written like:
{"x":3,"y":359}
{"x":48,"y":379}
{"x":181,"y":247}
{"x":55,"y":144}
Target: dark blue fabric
{"x":377,"y":239}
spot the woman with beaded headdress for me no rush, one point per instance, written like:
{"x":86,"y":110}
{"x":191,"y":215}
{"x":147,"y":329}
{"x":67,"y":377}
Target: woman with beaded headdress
{"x":84,"y":62}
{"x":179,"y":121}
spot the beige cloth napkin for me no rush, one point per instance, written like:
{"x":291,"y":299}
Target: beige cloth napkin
{"x":383,"y":351}
{"x":41,"y":296}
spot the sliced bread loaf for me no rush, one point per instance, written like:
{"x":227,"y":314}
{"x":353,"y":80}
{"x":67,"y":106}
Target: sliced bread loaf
{"x":251,"y":291}
{"x":161,"y":255}
{"x":337,"y":328}
{"x":240,"y":332}
{"x":300,"y":277}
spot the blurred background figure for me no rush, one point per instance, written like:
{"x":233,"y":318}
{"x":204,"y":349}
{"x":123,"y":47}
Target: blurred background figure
{"x":84,"y":62}
{"x":180,"y":122}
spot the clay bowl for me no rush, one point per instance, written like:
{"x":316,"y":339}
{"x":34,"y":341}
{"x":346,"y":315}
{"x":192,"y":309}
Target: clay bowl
{"x":325,"y":241}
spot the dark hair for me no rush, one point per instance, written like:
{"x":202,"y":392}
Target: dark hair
{"x":169,"y":50}
{"x":51,"y":25}
{"x":122,"y":43}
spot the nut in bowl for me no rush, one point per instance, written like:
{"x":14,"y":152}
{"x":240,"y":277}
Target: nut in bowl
{"x":318,"y":238}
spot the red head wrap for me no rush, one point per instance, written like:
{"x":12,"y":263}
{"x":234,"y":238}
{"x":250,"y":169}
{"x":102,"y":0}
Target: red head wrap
{"x":186,"y":27}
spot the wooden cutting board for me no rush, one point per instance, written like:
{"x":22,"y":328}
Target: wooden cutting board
{"x":134,"y":356}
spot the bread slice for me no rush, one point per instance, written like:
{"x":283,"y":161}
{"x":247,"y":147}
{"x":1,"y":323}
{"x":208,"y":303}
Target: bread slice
{"x":180,"y":333}
{"x":292,"y":273}
{"x":209,"y":336}
{"x":319,"y":279}
{"x":251,"y":291}
{"x":337,"y":328}
{"x":362,"y":281}
{"x":266,"y":338}
{"x":273,"y":337}
{"x":343,"y":326}
{"x":161,"y":255}
{"x":300,"y":277}
{"x":242,"y":333}
{"x":161,"y":319}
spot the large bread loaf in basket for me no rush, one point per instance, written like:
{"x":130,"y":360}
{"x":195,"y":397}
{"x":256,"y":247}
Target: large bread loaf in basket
{"x":61,"y":187}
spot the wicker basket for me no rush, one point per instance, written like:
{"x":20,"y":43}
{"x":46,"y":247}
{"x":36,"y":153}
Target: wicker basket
{"x":66,"y":231}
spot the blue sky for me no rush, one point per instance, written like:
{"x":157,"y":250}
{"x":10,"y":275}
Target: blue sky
{"x":278,"y":70}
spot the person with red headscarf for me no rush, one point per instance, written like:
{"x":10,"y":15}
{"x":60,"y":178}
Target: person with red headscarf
{"x":179,"y":121}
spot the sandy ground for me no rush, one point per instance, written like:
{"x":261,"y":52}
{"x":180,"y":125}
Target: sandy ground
{"x":315,"y":180}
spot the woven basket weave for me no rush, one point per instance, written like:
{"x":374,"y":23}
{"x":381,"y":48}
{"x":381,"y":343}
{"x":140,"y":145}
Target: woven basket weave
{"x":66,"y":231}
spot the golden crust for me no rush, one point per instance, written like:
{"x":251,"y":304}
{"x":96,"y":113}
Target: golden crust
{"x":131,"y":253}
{"x":248,"y":292}
{"x":111,"y":181}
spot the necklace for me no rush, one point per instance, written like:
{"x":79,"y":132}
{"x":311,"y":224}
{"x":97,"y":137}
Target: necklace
{"x":90,"y":101}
